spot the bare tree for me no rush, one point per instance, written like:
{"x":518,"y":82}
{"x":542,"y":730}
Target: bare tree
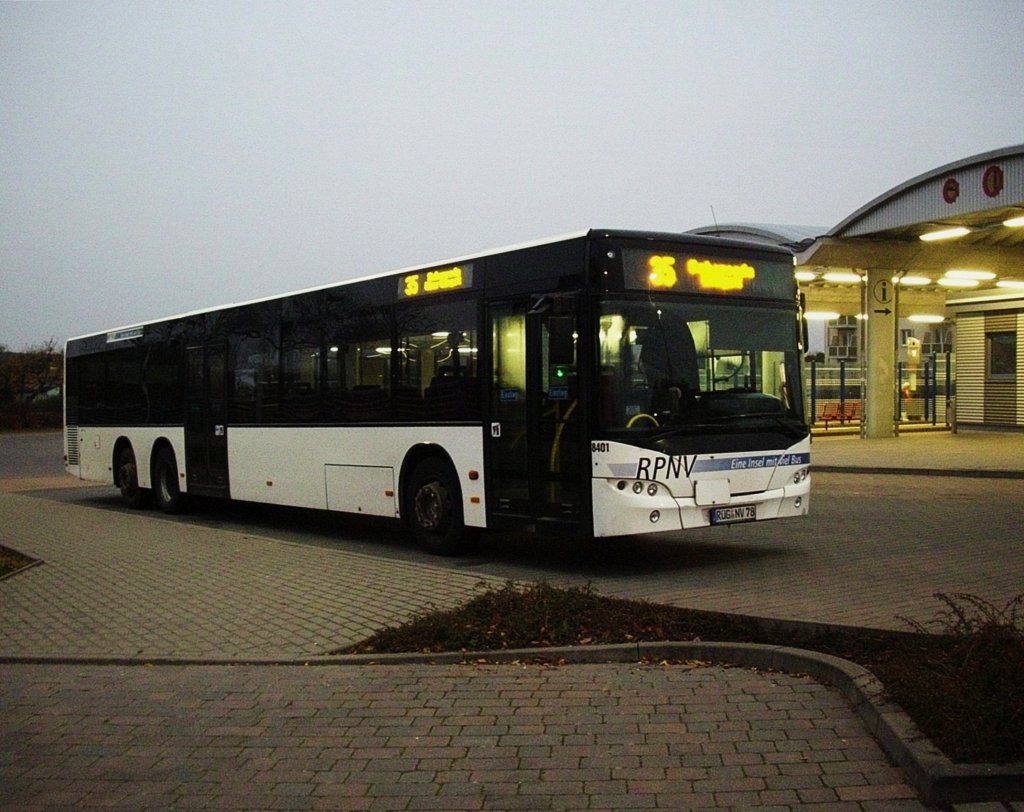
{"x":29,"y":376}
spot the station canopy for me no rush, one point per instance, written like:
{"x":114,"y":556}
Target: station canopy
{"x":954,"y":233}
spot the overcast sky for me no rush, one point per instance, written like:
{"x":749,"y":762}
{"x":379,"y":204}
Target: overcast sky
{"x":158,"y":158}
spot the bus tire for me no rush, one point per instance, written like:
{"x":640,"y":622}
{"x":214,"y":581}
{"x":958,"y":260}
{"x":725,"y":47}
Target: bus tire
{"x":435,"y":508}
{"x":126,"y":477}
{"x":169,"y":497}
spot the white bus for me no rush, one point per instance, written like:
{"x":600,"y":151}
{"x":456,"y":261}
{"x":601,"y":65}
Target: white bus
{"x":604,"y":383}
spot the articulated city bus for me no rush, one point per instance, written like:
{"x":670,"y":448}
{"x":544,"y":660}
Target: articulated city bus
{"x":605,"y":383}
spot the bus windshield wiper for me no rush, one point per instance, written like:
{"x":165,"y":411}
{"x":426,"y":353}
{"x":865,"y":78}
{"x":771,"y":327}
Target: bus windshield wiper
{"x":789,"y":424}
{"x":675,"y":431}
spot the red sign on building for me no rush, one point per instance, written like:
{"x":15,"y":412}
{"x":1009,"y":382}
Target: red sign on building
{"x":992,"y":181}
{"x":951,"y":190}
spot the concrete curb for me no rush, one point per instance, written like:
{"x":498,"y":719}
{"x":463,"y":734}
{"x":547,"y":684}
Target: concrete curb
{"x":965,"y":473}
{"x":35,"y":562}
{"x":937,"y":779}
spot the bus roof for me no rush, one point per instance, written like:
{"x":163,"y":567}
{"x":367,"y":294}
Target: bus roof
{"x":594,"y":232}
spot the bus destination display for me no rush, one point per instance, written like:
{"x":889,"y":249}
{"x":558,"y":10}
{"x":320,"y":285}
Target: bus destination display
{"x":439,"y":280}
{"x":646,"y":270}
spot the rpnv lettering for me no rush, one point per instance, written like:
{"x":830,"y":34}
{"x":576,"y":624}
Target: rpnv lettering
{"x":664,"y":467}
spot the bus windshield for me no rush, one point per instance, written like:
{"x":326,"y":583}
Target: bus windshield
{"x":684,"y":367}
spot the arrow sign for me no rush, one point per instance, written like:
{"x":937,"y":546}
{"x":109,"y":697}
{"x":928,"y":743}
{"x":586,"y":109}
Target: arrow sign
{"x":886,"y":311}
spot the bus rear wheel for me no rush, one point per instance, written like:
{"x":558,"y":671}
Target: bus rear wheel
{"x":169,"y":497}
{"x":126,"y":476}
{"x":435,"y":509}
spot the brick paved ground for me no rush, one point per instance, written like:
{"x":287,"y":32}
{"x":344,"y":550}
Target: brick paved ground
{"x":135,"y":585}
{"x":413,"y":737}
{"x":438,"y":737}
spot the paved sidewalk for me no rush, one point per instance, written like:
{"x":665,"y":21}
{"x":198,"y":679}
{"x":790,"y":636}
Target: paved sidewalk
{"x":967,"y":453}
{"x":119,"y":585}
{"x":260,"y":736}
{"x":443,"y":737}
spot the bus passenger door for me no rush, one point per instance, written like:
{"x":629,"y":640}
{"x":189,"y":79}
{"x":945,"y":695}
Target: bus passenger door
{"x":535,"y":473}
{"x":206,"y":439}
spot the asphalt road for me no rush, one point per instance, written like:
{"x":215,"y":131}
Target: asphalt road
{"x":31,"y":454}
{"x":875,"y":548}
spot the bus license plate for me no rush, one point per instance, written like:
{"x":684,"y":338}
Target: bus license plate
{"x":734,"y":514}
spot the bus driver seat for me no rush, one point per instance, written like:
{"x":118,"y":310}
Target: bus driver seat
{"x":668,"y":357}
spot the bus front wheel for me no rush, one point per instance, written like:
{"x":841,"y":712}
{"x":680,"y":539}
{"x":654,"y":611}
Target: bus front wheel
{"x":435,"y":508}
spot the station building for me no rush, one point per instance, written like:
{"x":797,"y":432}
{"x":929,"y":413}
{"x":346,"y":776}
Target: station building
{"x":923,"y":288}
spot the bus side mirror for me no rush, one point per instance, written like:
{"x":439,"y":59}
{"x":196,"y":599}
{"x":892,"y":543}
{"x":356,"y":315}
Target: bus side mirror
{"x":804,"y":335}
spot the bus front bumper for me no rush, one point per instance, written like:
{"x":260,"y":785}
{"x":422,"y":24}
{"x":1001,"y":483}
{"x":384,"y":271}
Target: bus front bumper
{"x":649,"y":507}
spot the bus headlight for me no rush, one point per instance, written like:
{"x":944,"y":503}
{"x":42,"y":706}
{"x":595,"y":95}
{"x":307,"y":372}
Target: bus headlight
{"x":800,"y":476}
{"x":655,"y":515}
{"x":652,"y":490}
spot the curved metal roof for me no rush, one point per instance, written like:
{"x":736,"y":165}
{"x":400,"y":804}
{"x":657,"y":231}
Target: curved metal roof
{"x":987,"y":186}
{"x":789,"y":236}
{"x":978,"y":192}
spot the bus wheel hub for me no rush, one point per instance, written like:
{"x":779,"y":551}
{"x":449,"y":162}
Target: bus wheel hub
{"x":431,"y":505}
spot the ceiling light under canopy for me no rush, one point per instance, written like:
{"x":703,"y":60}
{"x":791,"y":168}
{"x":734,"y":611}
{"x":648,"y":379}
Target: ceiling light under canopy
{"x":953,"y":282}
{"x":841,"y":276}
{"x":945,"y":234}
{"x":969,"y":273}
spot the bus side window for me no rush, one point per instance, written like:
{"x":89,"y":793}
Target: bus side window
{"x":356,"y":361}
{"x":437,"y":375}
{"x":253,"y":379}
{"x":300,"y":372}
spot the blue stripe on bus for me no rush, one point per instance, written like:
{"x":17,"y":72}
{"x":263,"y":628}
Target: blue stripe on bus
{"x":750,"y":463}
